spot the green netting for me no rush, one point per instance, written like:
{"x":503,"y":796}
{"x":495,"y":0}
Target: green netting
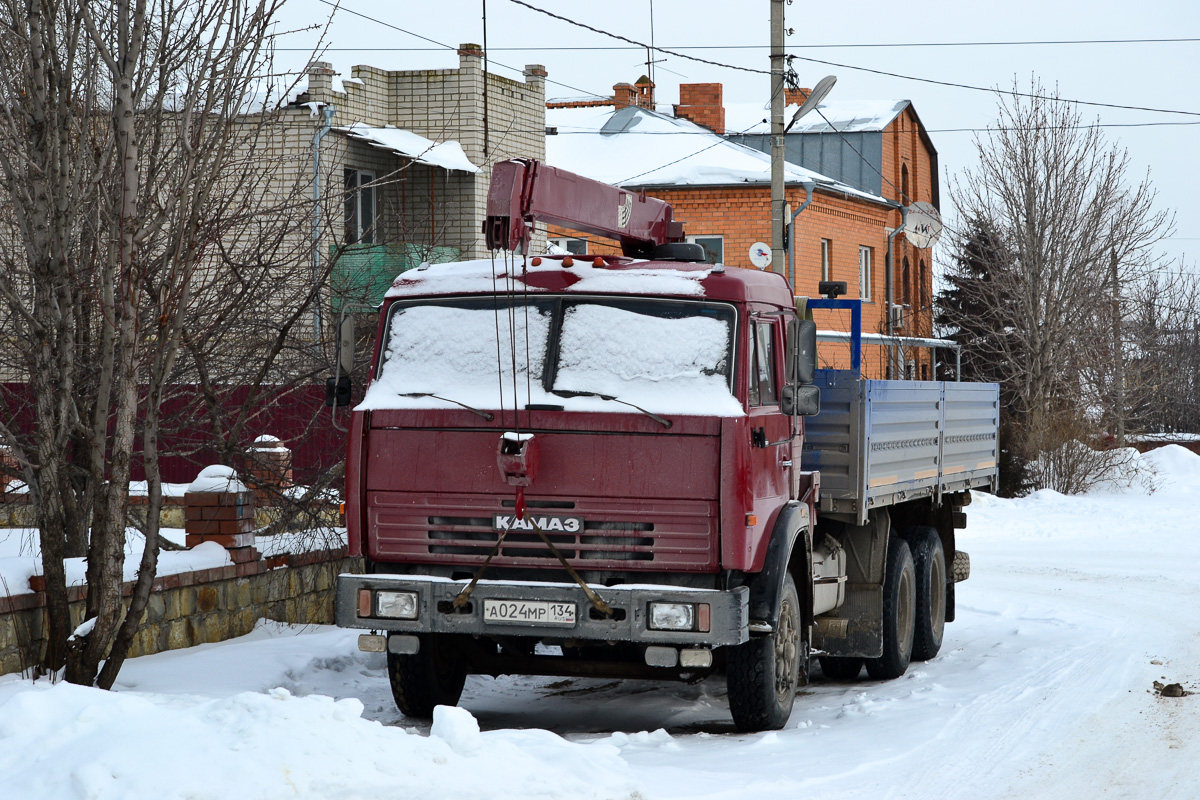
{"x":362,"y":273}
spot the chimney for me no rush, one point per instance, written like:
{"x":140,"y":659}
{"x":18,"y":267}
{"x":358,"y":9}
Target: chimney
{"x":703,"y":104}
{"x":470,"y":55}
{"x":645,"y":92}
{"x":795,"y":96}
{"x":320,"y":81}
{"x":624,"y":95}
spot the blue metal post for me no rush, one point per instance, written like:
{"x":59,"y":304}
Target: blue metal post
{"x":855,"y":307}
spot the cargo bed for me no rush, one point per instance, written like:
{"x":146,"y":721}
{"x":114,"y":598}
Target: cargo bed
{"x":881,"y":442}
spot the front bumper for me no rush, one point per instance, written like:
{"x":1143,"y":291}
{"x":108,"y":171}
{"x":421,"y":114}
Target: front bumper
{"x":728,"y":615}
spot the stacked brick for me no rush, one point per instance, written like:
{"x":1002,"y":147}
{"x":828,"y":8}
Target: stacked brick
{"x":268,"y":469}
{"x":218,"y":507}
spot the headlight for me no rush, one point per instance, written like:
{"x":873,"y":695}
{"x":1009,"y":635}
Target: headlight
{"x":397,"y":605}
{"x":672,"y":616}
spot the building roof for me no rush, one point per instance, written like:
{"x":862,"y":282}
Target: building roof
{"x":447,"y":155}
{"x":637,"y":147}
{"x":845,"y":116}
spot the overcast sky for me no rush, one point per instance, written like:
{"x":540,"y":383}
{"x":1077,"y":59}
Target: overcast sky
{"x":1159,"y":75}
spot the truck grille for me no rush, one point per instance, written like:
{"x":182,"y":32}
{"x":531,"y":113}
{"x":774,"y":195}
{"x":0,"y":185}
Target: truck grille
{"x":629,"y":534}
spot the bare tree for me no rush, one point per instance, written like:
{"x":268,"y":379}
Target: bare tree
{"x":1066,"y":226}
{"x":153,"y":227}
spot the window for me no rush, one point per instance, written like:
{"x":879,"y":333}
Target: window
{"x":864,"y":272}
{"x":826,"y":260}
{"x":714,"y":247}
{"x":573,"y":245}
{"x":762,"y":365}
{"x":905,"y":282}
{"x":923,"y":289}
{"x":904,"y":195}
{"x":360,"y":207}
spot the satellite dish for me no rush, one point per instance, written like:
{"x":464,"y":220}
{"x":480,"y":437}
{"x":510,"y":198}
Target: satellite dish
{"x":922,"y":224}
{"x":814,"y":99}
{"x":760,"y":255}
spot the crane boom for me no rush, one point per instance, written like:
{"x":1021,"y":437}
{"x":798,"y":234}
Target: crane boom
{"x":524,"y":191}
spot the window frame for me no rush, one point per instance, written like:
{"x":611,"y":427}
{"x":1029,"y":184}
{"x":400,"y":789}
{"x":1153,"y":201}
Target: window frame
{"x":762,"y":333}
{"x":866,"y":257}
{"x":359,"y":184}
{"x":827,"y":259}
{"x":697,"y":239}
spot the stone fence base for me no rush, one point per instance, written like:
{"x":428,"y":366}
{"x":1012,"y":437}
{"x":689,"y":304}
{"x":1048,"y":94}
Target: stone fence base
{"x":191,"y":608}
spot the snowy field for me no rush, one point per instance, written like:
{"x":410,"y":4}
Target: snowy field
{"x":1044,"y":688}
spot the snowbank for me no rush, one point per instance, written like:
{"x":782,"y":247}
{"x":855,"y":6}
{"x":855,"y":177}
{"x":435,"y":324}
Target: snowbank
{"x":65,"y":741}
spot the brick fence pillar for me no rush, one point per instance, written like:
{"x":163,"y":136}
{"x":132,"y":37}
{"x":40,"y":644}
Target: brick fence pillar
{"x":219,"y":508}
{"x":268,"y":469}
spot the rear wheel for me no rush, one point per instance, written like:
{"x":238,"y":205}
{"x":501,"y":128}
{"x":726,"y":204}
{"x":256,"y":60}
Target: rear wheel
{"x":434,"y":676}
{"x":840,"y":668}
{"x":899,"y":612}
{"x":764,"y":673}
{"x":929,"y":561}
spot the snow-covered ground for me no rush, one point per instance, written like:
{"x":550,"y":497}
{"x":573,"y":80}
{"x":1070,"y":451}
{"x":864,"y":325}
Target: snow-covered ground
{"x":1044,"y":688}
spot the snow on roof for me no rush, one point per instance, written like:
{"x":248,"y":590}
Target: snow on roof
{"x":447,"y":155}
{"x":846,"y":116}
{"x":638,"y":147}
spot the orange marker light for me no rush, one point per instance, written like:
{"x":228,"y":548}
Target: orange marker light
{"x":599,"y":262}
{"x":751,"y":520}
{"x":568,"y":261}
{"x":536,"y":261}
{"x":364,"y":602}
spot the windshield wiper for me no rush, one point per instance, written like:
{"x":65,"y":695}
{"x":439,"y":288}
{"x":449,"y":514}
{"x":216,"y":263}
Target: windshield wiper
{"x":666,"y":423}
{"x":486,"y":415}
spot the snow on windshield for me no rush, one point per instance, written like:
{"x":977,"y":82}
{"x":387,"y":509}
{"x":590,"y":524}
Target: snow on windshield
{"x":667,"y":365}
{"x":656,"y":362}
{"x":453,"y":353}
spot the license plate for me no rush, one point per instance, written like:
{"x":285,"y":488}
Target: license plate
{"x":528,"y":612}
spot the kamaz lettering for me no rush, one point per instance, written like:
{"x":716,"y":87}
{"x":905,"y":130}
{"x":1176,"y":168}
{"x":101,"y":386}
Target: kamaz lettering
{"x":510,"y":522}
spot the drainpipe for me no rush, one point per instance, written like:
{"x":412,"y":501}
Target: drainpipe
{"x":888,"y":291}
{"x":809,"y":188}
{"x":328,"y":111}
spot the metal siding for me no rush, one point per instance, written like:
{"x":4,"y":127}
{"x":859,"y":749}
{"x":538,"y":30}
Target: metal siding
{"x":881,"y":442}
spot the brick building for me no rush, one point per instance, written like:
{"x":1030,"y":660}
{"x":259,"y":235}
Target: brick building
{"x":719,"y":185}
{"x":408,"y":161}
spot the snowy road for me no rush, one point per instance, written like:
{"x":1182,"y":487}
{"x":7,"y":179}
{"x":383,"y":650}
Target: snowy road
{"x":1076,"y":605}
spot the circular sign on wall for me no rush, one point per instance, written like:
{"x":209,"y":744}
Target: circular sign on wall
{"x":760,"y":255}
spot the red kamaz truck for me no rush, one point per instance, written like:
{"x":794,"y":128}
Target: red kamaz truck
{"x":629,"y":466}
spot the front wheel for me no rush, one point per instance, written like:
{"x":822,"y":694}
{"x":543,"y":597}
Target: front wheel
{"x":899,"y":613}
{"x":433,"y":676}
{"x":763,"y":674}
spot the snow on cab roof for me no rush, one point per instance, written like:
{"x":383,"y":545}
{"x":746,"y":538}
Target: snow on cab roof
{"x":486,"y":275}
{"x":447,"y":155}
{"x":634,"y":147}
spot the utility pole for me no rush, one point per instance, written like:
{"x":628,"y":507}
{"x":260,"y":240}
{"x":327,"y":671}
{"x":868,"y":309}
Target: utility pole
{"x":1118,"y":356}
{"x":777,"y":149}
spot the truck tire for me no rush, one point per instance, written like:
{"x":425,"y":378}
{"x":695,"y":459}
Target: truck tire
{"x":840,"y":668}
{"x":434,"y":676}
{"x":929,"y":561}
{"x":763,"y":674}
{"x":899,"y":613}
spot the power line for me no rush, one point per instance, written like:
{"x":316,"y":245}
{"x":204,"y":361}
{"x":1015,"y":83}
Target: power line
{"x":839,"y":45}
{"x":992,"y":90}
{"x":639,"y":44}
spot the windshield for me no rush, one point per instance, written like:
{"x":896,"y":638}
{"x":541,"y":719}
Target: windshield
{"x":667,"y":356}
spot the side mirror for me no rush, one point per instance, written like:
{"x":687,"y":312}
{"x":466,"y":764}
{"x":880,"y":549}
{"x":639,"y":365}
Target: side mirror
{"x":806,"y":351}
{"x":802,"y":401}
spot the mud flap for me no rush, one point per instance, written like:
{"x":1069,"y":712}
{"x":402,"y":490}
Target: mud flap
{"x":856,"y":628}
